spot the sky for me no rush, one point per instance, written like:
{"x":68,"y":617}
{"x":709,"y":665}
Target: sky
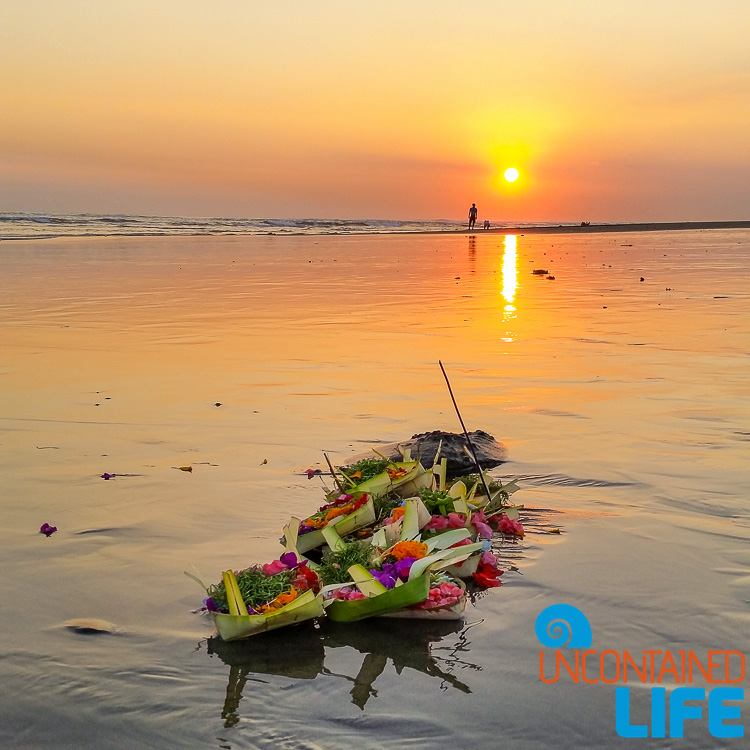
{"x":616,"y":110}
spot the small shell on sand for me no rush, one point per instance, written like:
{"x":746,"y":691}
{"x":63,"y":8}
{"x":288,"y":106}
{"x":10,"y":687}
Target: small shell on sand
{"x":90,"y":626}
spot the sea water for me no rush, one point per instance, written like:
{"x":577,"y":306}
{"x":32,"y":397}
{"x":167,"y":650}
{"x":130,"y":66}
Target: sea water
{"x":618,"y":380}
{"x":25,"y":225}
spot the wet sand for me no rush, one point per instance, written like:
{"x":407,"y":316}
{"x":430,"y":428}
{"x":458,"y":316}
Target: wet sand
{"x":623,"y":403}
{"x":589,"y":228}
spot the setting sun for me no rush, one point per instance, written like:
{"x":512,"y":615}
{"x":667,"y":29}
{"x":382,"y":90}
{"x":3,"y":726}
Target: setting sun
{"x":511,"y":174}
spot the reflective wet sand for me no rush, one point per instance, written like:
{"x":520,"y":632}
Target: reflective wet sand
{"x":623,"y":403}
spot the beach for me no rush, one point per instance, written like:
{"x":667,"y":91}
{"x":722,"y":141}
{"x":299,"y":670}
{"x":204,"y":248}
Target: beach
{"x":587,"y":227}
{"x":617,"y":378}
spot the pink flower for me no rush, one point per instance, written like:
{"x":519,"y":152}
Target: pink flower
{"x":448,"y":589}
{"x":510,"y":527}
{"x":478,"y":515}
{"x":483,"y":530}
{"x":456,"y":520}
{"x":444,"y":595}
{"x":347,"y":594}
{"x":481,"y":524}
{"x":451,"y":521}
{"x":488,"y":559}
{"x":271,"y":569}
{"x":437,"y":523}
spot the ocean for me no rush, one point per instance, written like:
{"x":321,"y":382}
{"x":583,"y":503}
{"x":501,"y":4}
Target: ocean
{"x":618,"y":380}
{"x":18,"y":225}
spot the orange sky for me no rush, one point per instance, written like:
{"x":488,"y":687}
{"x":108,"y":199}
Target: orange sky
{"x":630,"y":111}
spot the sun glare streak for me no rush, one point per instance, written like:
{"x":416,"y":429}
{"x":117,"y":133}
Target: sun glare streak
{"x":510,"y":276}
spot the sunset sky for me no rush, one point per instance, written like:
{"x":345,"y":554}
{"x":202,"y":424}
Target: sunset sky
{"x":403,"y":109}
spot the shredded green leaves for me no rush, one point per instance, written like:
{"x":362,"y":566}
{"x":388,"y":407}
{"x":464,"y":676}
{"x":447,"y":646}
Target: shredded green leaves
{"x":335,"y":565}
{"x":256,"y":588}
{"x":384,"y":505}
{"x":367,"y":467}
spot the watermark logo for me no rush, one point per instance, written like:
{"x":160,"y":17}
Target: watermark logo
{"x":563,"y":626}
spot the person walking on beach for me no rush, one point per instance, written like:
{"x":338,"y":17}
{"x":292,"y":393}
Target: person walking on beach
{"x":472,"y":215}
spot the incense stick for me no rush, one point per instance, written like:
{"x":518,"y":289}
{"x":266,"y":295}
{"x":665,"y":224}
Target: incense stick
{"x":466,"y":434}
{"x":333,"y":474}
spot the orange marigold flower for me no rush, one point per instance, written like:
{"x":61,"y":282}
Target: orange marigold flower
{"x":397,"y":473}
{"x":283,"y":599}
{"x":398,"y":512}
{"x":343,"y":510}
{"x":280,"y":601}
{"x":408,"y":549}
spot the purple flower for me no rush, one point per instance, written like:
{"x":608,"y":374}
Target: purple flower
{"x":108,"y":476}
{"x":211,"y":605}
{"x":386,"y":579}
{"x":399,"y":569}
{"x":46,"y":529}
{"x":390,"y":569}
{"x":404,"y":566}
{"x":289,"y":559}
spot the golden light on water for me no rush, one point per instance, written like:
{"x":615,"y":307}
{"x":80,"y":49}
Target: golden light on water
{"x":510,"y":275}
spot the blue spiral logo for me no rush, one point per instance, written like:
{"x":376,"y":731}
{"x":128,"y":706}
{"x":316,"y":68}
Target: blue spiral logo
{"x":563,"y":626}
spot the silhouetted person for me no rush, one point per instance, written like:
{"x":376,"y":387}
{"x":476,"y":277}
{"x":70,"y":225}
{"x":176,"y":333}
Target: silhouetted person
{"x":472,"y":215}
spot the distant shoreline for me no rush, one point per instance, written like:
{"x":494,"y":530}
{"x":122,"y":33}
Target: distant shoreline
{"x":455,"y":231}
{"x":591,"y":228}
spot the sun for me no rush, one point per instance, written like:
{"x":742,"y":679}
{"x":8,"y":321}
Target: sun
{"x":511,"y":174}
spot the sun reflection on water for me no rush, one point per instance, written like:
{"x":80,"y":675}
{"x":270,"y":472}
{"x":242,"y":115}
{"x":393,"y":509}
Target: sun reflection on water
{"x":510,"y":277}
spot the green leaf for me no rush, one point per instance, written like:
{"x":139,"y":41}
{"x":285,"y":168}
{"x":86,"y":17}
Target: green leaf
{"x":410,"y":521}
{"x":449,"y":556}
{"x":366,"y":581}
{"x":333,"y":540}
{"x":413,"y":592}
{"x":447,"y":539}
{"x":234,"y":627}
